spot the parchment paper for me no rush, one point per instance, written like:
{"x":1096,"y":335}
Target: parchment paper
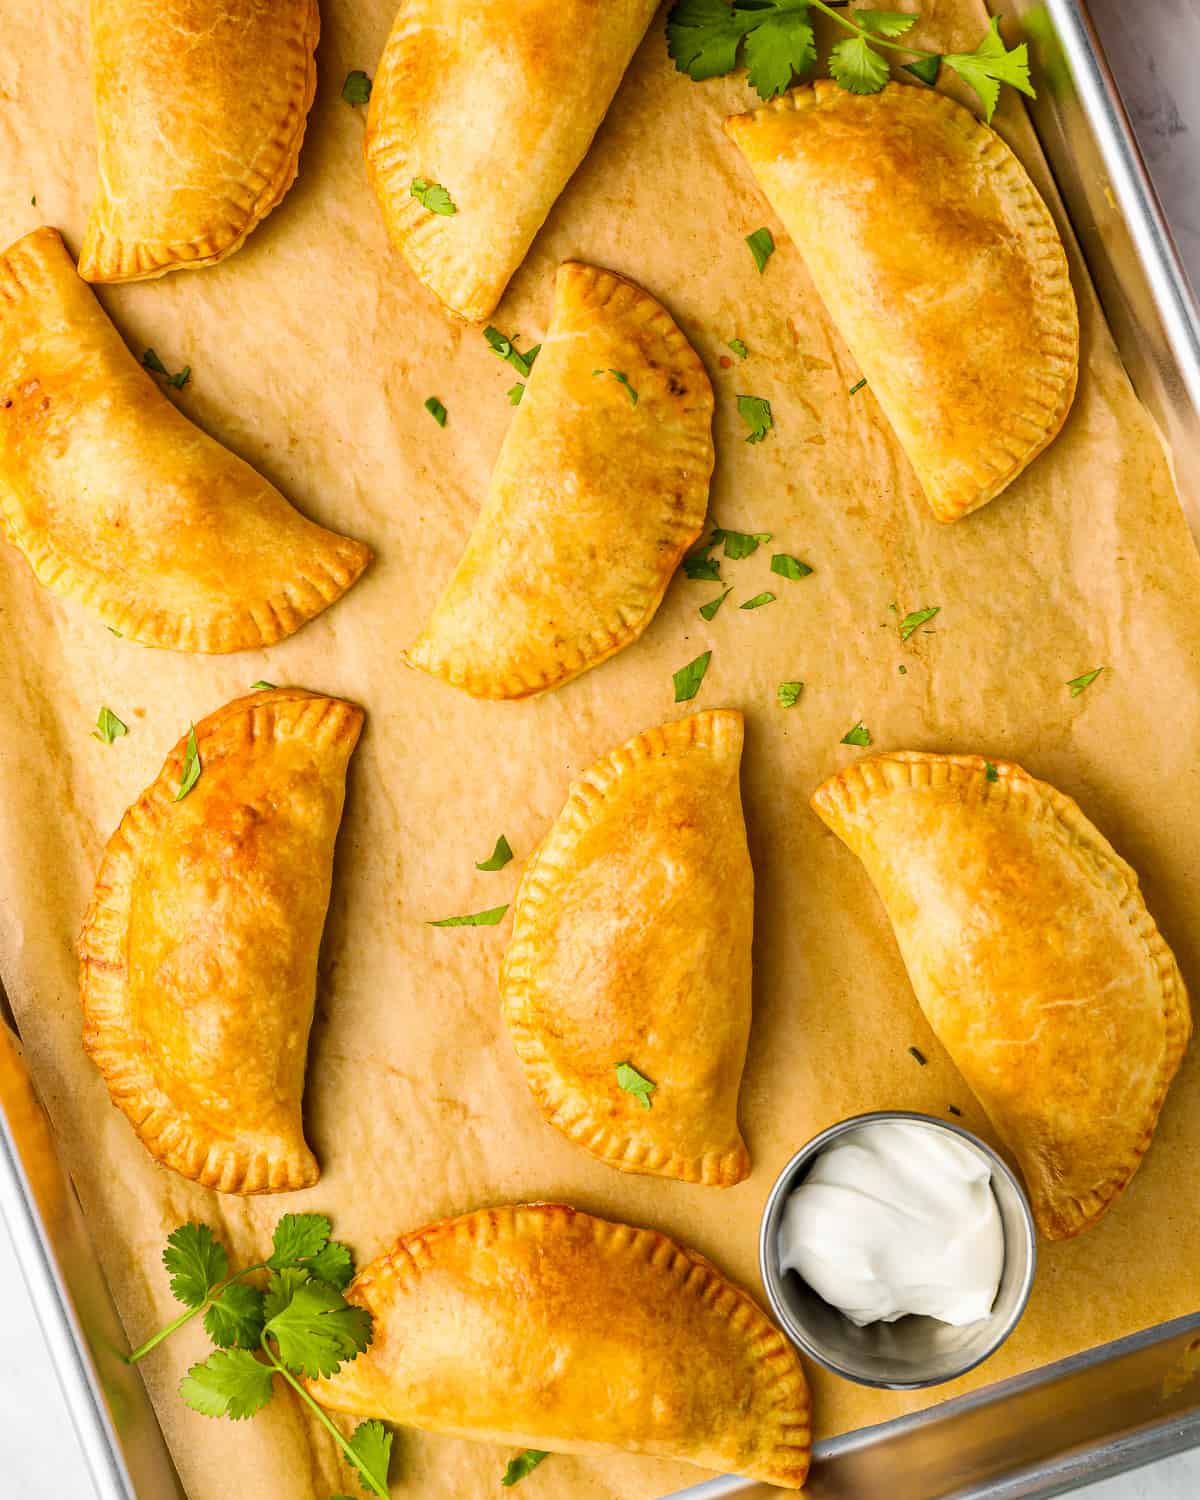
{"x":312,"y":351}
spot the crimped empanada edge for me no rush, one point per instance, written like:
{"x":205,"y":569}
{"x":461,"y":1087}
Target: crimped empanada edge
{"x":775,"y":1361}
{"x":597,"y":288}
{"x":627,"y":1150}
{"x":1052,"y":372}
{"x":109,"y":257}
{"x":228,"y":1165}
{"x":844,"y":795}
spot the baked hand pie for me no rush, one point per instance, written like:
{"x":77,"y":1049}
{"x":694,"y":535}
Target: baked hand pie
{"x":200,"y":111}
{"x":198,"y":956}
{"x":941,"y":266}
{"x":538,"y":1325}
{"x":119,"y":502}
{"x":494,"y":106}
{"x":600,"y":488}
{"x":1034,"y":959}
{"x":626,"y":984}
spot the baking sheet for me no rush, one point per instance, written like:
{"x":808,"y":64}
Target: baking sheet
{"x":312,"y":351}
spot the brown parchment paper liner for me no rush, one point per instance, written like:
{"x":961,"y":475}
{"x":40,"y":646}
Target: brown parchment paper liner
{"x":312,"y":351}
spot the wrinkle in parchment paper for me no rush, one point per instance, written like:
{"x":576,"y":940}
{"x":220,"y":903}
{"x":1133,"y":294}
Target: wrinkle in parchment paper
{"x":312,"y":352}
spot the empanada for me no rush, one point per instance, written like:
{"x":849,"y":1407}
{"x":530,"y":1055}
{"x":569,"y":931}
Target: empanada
{"x":600,"y":487}
{"x":538,"y":1325}
{"x":941,"y":266}
{"x":119,"y":502}
{"x":200,"y":111}
{"x":1034,"y":959}
{"x":631,"y":945}
{"x":198,"y":956}
{"x":496,"y":104}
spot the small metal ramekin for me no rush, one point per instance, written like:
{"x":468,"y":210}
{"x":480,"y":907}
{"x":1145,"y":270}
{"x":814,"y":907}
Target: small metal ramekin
{"x":914,"y":1351}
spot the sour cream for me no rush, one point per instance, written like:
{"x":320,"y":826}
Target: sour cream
{"x":894,"y":1218}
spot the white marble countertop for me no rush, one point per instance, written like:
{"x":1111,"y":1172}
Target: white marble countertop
{"x":1152,"y":50}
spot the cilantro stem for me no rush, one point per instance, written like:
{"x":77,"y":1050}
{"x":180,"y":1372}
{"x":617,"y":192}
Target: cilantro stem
{"x":367,"y":1478}
{"x":214,"y":1295}
{"x":872,"y":36}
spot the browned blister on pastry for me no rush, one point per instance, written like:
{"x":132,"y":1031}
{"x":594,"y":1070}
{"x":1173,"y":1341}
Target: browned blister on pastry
{"x":120,"y":503}
{"x":200,"y":111}
{"x":497,"y":104}
{"x":941,"y":266}
{"x":198,"y":956}
{"x":600,"y":487}
{"x":537,"y":1325}
{"x":631,"y":945}
{"x":1034,"y":959}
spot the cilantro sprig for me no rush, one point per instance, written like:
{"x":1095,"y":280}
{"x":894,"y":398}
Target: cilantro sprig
{"x":296,"y":1325}
{"x":776,"y":42}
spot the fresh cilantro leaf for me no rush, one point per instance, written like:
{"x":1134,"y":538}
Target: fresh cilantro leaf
{"x":514,"y":393}
{"x":1077,"y":684}
{"x":918,"y":1056}
{"x":992,"y":64}
{"x":108,"y":727}
{"x":688,"y":679}
{"x":789,"y":694}
{"x":318,"y":1329}
{"x":756,"y":413}
{"x":436,"y":410}
{"x":739,"y":544}
{"x":856,"y":65}
{"x":229,"y":1383}
{"x":192,"y":766}
{"x":332,"y":1263}
{"x":357,"y":87}
{"x":113,"y":629}
{"x":262,"y":687}
{"x":700,"y":567}
{"x":917,"y":618}
{"x":709,"y":610}
{"x":281,"y":1288}
{"x":990,"y":772}
{"x":152,"y":362}
{"x":779,"y":47}
{"x":738,"y":347}
{"x":703,"y":37}
{"x":433,"y":196}
{"x":890,"y":23}
{"x":859,"y":735}
{"x":634,"y":1083}
{"x":789,"y":567}
{"x":857,"y":386}
{"x":903,"y":670}
{"x":505,"y":348}
{"x":523,"y":1464}
{"x":474,"y":919}
{"x":298,"y":1236}
{"x":925,"y":68}
{"x":195,"y":1262}
{"x":236,"y":1317}
{"x":758,"y":601}
{"x":371,"y":1444}
{"x":762,"y":247}
{"x":498,"y":858}
{"x":622,"y":379}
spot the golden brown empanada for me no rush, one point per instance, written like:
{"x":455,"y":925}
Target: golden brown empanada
{"x":198,"y":956}
{"x":1034,"y":959}
{"x":497,"y":104}
{"x":200,"y":112}
{"x":940,"y":264}
{"x":119,"y":502}
{"x":631,"y":944}
{"x":538,"y":1325}
{"x":600,"y":487}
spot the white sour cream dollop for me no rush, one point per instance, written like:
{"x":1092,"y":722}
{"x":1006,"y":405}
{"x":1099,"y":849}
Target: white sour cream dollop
{"x":895,"y":1218}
